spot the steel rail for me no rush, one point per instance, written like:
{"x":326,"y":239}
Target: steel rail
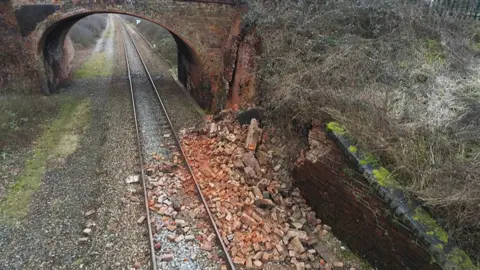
{"x":144,"y":38}
{"x":177,"y":140}
{"x":139,"y":147}
{"x":197,"y":108}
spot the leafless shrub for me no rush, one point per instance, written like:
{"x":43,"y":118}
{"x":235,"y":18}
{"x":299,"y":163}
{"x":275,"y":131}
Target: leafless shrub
{"x":164,"y":42}
{"x":87,"y":30}
{"x":402,"y":79}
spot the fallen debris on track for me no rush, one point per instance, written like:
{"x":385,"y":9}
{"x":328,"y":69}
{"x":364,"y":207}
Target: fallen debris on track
{"x":263,"y":221}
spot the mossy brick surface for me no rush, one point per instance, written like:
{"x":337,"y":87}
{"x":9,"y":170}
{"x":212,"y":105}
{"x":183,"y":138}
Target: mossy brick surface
{"x":375,"y":208}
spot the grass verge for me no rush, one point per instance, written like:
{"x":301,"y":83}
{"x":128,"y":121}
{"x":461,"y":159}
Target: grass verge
{"x":59,"y":140}
{"x":99,"y":64}
{"x":21,"y":115}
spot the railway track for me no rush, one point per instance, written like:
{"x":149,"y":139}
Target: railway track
{"x":155,"y":134}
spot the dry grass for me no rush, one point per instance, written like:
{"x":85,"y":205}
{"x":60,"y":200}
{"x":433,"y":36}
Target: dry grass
{"x":403,"y":80}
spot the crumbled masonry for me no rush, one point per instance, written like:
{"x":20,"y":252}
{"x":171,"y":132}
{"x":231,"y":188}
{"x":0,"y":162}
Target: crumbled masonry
{"x":263,"y":221}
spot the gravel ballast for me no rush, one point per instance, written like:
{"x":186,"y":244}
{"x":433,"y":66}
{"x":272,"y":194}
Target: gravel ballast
{"x":183,"y":237}
{"x":53,"y":235}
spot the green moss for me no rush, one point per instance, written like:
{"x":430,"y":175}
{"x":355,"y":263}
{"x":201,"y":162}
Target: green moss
{"x":352,"y":149}
{"x":99,"y":64}
{"x":434,"y":51}
{"x":461,"y":260}
{"x":383,"y":177}
{"x":433,"y":229}
{"x":475,"y":42}
{"x":58,"y":141}
{"x":336,"y":128}
{"x":369,"y":159}
{"x":331,"y":41}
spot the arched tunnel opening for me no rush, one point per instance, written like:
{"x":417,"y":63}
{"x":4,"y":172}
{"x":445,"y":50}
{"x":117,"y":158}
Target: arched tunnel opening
{"x":55,"y":49}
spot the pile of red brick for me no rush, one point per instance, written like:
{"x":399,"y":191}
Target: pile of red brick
{"x":262,"y":221}
{"x":179,"y":219}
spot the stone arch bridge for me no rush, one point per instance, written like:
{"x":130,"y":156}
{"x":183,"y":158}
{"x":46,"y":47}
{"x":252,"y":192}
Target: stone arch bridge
{"x":207,"y":33}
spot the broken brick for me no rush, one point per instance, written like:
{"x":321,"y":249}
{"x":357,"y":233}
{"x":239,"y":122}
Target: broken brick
{"x":248,"y":220}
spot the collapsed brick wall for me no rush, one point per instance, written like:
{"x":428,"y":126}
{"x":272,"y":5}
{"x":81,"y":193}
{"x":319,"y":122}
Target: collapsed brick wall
{"x":243,"y":83}
{"x":239,"y":63}
{"x":264,"y":222}
{"x":343,"y":199}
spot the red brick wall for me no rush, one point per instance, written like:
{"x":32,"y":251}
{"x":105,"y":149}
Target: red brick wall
{"x":243,"y":84}
{"x":362,"y":220}
{"x":206,"y":28}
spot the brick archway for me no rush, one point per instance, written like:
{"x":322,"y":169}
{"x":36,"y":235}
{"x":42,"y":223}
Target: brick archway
{"x":50,"y":47}
{"x":202,"y":31}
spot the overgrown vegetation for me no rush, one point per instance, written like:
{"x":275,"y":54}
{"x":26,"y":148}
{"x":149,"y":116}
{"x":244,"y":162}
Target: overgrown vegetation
{"x":403,"y":80}
{"x":159,"y":37}
{"x":87,"y":30}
